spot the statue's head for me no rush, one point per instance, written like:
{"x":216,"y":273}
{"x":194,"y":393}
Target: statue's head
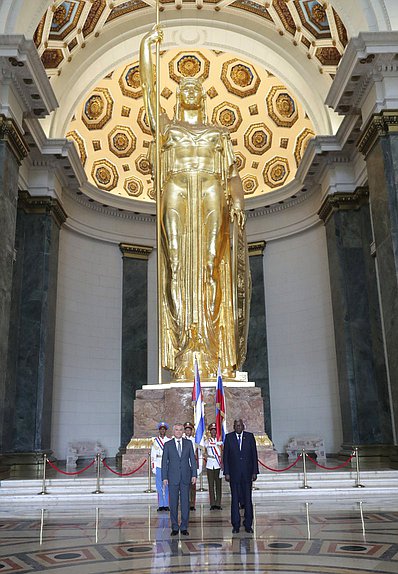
{"x":190,"y":96}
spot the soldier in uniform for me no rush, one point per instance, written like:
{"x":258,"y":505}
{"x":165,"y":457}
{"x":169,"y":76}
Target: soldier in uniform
{"x":213,"y":456}
{"x":188,"y":433}
{"x":156,"y":463}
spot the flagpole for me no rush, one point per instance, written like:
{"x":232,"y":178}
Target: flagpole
{"x":158,"y":195}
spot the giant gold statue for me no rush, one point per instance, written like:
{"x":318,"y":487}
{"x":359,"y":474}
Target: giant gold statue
{"x":205,"y":278}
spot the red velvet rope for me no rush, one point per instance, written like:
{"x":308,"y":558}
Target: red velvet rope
{"x":331,"y":467}
{"x":281,"y":469}
{"x":123,"y":473}
{"x":70,"y":473}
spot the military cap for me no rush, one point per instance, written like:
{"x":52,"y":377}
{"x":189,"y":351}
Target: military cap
{"x":188,"y":425}
{"x":212,"y":426}
{"x":163,"y":424}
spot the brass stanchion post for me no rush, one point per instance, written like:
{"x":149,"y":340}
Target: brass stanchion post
{"x":149,"y":489}
{"x":358,"y":480}
{"x":43,"y":484}
{"x":304,"y":455}
{"x":98,"y":462}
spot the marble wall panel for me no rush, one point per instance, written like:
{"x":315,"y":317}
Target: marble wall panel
{"x":8,"y":213}
{"x":362,"y":375}
{"x":382,"y":166}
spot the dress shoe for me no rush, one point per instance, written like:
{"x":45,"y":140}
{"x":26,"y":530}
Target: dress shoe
{"x":192,"y":508}
{"x":160,"y":509}
{"x":218,"y":507}
{"x":235,"y":531}
{"x":213,"y":507}
{"x":166,"y":508}
{"x":249,"y":530}
{"x":185,"y":532}
{"x":174,"y":533}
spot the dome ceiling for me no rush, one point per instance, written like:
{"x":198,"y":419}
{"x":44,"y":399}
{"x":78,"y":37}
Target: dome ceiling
{"x":268,"y":126}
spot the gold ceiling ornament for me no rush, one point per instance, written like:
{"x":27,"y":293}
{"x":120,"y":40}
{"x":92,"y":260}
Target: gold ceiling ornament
{"x":276,"y":171}
{"x":130,"y":83}
{"x":282,"y":107}
{"x":258,"y":138}
{"x":302,"y":142}
{"x":133,"y":186}
{"x":189,"y":65}
{"x":240,"y":78}
{"x":227,"y":115}
{"x":98,"y":108}
{"x":250,"y":184}
{"x":79,"y":141}
{"x":105,"y":174}
{"x":122,"y":141}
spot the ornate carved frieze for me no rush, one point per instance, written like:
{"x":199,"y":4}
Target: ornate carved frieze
{"x":380,"y":125}
{"x":135,"y":251}
{"x":343,"y":201}
{"x":10,"y":133}
{"x":42,"y":205}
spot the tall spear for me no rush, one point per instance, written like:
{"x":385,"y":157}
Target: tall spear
{"x":158,"y":194}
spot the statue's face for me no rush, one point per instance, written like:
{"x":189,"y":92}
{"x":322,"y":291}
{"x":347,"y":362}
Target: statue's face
{"x":191,"y":96}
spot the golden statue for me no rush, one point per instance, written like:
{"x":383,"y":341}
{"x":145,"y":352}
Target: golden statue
{"x":205,"y":278}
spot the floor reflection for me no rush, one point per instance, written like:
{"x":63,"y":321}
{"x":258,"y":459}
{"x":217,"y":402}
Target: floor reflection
{"x":318,"y":538}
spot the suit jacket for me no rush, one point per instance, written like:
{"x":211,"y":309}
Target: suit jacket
{"x":176,"y":469}
{"x":240,"y":464}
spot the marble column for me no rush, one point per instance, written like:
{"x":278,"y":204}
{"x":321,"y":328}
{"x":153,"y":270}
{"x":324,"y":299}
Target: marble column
{"x":134,"y":333}
{"x":379,"y":144}
{"x":256,"y":363}
{"x":12,"y":150}
{"x":363,"y":383}
{"x":32,"y":334}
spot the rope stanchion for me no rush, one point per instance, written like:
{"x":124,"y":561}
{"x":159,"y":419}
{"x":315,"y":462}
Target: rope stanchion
{"x":331,"y":467}
{"x":305,"y":483}
{"x":149,"y":490}
{"x":43,"y":482}
{"x":98,"y":468}
{"x":124,"y":473}
{"x":281,"y":469}
{"x":358,"y":480}
{"x":71,"y":473}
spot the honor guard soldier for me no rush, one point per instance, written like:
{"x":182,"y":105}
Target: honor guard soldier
{"x":213,"y":456}
{"x":156,"y":463}
{"x":188,"y":433}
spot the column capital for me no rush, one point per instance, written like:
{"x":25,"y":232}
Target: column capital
{"x":343,"y":201}
{"x":42,"y":205}
{"x":135,"y":251}
{"x":256,"y":248}
{"x":379,"y":125}
{"x":10,"y":133}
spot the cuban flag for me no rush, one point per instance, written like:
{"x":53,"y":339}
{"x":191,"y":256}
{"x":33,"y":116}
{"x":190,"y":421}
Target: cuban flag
{"x":221,"y":425}
{"x":197,"y":398}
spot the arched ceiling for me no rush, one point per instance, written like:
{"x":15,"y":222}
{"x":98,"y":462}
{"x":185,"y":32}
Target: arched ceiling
{"x":269,"y":128}
{"x":273,"y":115}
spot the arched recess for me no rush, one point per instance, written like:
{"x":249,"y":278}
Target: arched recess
{"x":120,"y":44}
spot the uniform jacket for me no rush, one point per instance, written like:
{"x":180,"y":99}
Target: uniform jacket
{"x":176,"y":469}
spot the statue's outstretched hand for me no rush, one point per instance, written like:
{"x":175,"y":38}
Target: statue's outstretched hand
{"x":237,"y":212}
{"x":156,"y":35}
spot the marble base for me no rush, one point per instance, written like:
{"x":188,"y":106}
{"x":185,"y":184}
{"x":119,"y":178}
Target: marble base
{"x":173,"y":403}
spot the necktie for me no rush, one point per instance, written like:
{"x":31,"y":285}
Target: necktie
{"x":179,"y":448}
{"x":240,"y":441}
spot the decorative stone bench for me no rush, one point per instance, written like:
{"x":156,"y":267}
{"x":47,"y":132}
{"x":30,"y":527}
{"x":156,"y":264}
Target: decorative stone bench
{"x":82,"y":449}
{"x":310,"y":443}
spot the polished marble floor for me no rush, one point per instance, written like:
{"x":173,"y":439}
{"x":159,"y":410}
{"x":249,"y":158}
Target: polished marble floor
{"x":318,"y":538}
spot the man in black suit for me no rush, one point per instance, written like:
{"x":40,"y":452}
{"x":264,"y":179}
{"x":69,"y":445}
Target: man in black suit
{"x":240,"y":470}
{"x":179,"y":471}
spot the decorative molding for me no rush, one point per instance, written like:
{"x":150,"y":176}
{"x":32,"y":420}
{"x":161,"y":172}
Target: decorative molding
{"x":256,"y":248}
{"x":135,"y":251}
{"x":9,"y":132}
{"x":379,"y":125}
{"x":42,"y":205}
{"x":342,"y":201}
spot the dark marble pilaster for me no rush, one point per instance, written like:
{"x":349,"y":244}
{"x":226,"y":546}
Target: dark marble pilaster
{"x":256,"y":363}
{"x":32,"y":335}
{"x":363,"y":383}
{"x":12,"y":150}
{"x":379,"y":144}
{"x":134,"y":332}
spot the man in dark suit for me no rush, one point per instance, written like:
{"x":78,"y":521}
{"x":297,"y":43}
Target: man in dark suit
{"x":179,"y":471}
{"x":240,"y":470}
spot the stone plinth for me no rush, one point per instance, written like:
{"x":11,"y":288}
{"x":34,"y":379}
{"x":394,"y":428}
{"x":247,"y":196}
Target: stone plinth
{"x":173,"y":403}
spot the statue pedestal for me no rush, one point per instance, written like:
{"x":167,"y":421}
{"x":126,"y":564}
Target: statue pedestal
{"x":172,"y":403}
